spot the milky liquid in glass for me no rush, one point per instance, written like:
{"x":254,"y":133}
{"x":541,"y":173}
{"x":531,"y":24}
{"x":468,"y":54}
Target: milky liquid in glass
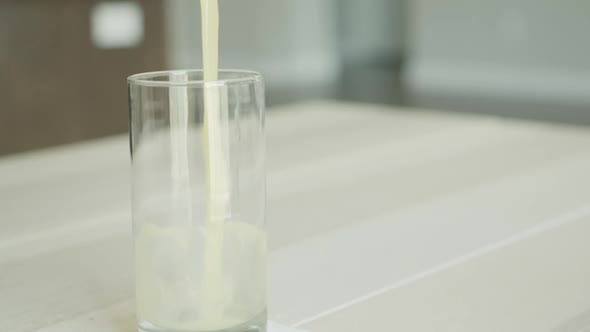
{"x":174,"y":292}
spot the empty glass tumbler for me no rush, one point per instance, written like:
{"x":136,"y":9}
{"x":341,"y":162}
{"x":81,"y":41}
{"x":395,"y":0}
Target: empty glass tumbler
{"x":198,"y":201}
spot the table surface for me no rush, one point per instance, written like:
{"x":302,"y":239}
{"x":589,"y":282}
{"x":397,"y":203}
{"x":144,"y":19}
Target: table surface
{"x":381,"y":219}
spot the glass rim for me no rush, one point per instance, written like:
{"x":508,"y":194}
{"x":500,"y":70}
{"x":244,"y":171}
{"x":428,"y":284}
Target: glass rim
{"x":147,"y":78}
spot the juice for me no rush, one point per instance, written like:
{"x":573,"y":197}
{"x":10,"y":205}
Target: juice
{"x":174,"y":291}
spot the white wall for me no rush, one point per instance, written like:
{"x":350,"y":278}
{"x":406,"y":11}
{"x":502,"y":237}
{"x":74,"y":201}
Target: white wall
{"x":523,"y":48}
{"x":290,"y":41}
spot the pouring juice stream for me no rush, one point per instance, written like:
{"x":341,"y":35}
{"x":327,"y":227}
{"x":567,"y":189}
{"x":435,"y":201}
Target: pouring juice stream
{"x":215,"y":136}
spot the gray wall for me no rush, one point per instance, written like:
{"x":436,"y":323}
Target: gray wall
{"x":520,"y":48}
{"x":370,"y":29}
{"x":290,"y":41}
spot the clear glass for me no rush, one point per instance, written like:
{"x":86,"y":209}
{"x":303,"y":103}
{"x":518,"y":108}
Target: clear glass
{"x":198,"y":155}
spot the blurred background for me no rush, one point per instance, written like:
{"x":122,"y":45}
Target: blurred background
{"x":63,"y":63}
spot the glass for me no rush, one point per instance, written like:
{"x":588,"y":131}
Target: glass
{"x":198,"y":201}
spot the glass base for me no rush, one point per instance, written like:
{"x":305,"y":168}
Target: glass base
{"x":257,"y":324}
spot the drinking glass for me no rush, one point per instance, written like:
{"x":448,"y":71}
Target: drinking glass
{"x":198,"y":201}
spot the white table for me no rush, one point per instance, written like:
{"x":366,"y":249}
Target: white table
{"x":381,"y":220}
